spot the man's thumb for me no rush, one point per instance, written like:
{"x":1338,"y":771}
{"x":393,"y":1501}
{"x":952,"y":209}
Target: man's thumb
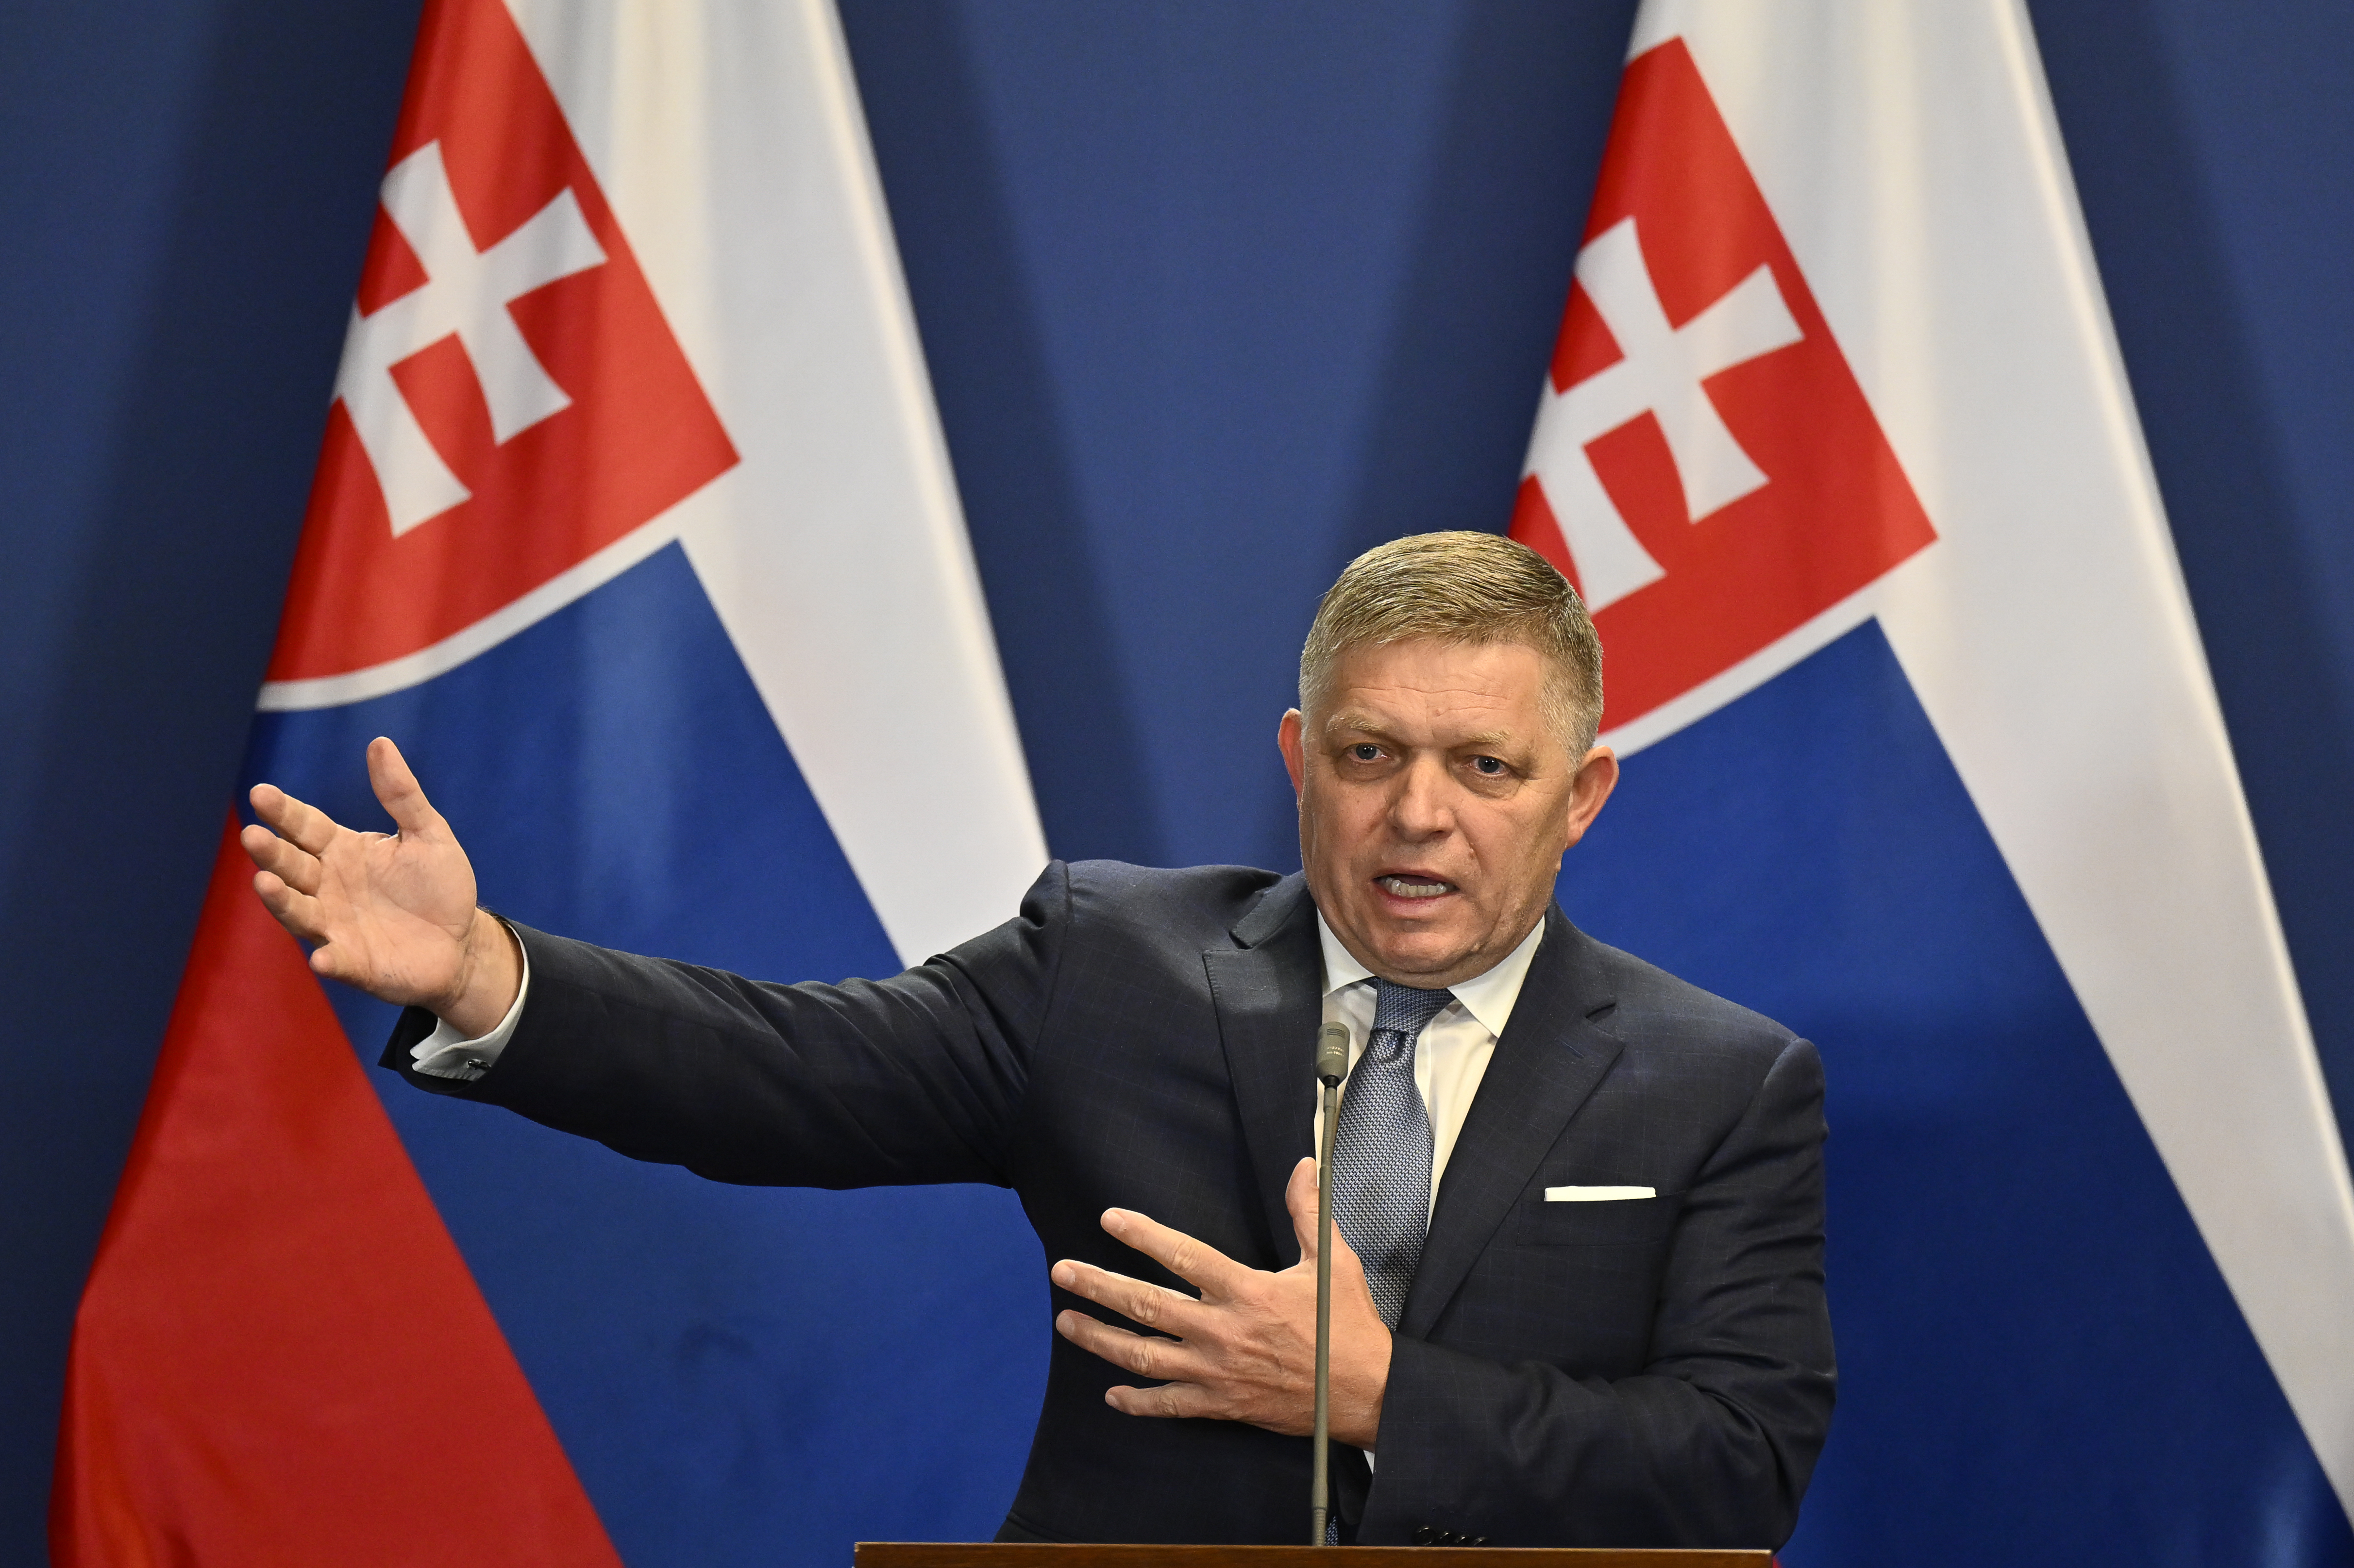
{"x":1300,"y":1197}
{"x":397,"y":791}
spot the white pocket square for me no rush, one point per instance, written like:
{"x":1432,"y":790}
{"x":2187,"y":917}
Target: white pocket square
{"x":1598,"y":1195}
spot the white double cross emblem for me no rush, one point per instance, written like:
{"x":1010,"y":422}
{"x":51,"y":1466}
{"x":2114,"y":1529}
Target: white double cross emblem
{"x":466,"y":292}
{"x":1660,"y":372}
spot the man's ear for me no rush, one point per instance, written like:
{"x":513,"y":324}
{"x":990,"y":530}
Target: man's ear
{"x":1288,"y":741}
{"x":1597,"y":776}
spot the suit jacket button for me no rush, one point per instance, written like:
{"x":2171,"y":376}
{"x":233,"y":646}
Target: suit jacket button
{"x":1426,"y":1535}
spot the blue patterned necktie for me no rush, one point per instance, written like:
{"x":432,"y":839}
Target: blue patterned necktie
{"x":1380,"y":1149}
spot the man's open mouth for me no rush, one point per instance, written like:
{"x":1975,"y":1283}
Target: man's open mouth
{"x":1411,"y":885}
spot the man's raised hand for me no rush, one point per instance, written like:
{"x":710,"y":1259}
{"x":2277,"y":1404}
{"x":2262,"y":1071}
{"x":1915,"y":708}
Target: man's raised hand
{"x":392,"y":914}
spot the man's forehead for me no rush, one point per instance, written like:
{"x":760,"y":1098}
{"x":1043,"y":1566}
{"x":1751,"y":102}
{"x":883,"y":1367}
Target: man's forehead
{"x":1425,"y":671}
{"x":1503,"y":665}
{"x":1358,"y":721}
{"x":1432,"y":690}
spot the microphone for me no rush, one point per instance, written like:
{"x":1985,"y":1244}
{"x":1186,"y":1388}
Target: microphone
{"x":1332,"y":1067}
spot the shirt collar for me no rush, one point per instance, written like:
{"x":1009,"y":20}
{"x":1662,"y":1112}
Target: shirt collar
{"x":1487,"y":997}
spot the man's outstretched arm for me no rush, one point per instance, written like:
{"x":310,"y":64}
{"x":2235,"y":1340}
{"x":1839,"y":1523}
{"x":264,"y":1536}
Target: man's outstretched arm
{"x":391,"y":913}
{"x":910,"y":1079}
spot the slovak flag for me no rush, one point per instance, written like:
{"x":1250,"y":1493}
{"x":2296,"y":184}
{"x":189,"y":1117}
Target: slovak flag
{"x":635,"y":526}
{"x":1926,"y":762}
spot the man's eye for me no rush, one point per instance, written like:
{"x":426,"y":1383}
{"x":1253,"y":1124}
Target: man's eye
{"x":1364,"y":753}
{"x":1490,"y":765}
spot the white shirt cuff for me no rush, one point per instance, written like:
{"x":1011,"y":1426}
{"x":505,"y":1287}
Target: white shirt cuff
{"x":443,"y":1054}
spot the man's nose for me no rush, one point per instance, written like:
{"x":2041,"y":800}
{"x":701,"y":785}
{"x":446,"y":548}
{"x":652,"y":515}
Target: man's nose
{"x":1421,"y":808}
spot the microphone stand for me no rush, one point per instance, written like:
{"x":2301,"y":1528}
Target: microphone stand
{"x":1332,"y":1067}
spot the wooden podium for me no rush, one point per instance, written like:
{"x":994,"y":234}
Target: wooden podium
{"x":982,"y":1554}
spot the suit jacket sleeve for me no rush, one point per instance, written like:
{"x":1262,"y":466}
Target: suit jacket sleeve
{"x":1711,"y":1444}
{"x":916,"y":1078}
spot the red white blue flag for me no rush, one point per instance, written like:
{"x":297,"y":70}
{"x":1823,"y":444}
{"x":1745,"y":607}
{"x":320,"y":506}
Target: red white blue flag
{"x":1927,"y":762}
{"x":635,"y":525}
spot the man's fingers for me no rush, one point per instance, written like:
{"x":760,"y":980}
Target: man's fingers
{"x":1196,"y":1263}
{"x":301,"y":915}
{"x":1145,"y":1355}
{"x":1171,"y":1399}
{"x":1154,"y":1305}
{"x":329,"y":961}
{"x":297,"y":911}
{"x":291,"y":865}
{"x":305,"y":826}
{"x":397,"y":791}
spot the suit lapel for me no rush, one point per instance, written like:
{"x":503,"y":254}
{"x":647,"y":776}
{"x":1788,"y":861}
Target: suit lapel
{"x":1270,"y":996}
{"x":1549,"y":1060}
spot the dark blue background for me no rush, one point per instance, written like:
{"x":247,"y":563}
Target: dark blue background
{"x":1215,"y":295}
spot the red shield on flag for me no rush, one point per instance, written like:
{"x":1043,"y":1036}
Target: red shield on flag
{"x":511,"y":399}
{"x":1705,"y":467}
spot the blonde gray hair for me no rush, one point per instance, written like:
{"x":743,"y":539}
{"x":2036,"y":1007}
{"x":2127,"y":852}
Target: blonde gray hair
{"x":1462,"y":587}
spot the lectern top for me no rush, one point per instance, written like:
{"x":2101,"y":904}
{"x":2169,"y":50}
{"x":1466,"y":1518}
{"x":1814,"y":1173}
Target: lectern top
{"x":1008,"y":1554}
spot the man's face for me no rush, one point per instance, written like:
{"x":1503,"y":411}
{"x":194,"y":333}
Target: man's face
{"x":1435,"y":803}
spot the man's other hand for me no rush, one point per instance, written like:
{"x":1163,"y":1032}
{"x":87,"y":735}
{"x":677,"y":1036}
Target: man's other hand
{"x":1246,"y":1349}
{"x":392,"y":914}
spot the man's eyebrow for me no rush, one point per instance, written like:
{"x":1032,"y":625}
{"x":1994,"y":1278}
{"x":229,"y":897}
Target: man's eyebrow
{"x":1365,"y":724}
{"x":1355,"y":724}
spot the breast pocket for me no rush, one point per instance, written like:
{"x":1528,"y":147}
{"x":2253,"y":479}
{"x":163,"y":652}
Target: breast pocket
{"x":1621,"y":1221}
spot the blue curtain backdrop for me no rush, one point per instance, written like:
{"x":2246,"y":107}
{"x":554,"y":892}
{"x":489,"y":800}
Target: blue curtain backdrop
{"x":1215,"y":295}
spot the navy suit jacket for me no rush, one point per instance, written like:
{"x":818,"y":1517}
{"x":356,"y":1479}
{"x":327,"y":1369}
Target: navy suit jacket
{"x":1649,"y":1373}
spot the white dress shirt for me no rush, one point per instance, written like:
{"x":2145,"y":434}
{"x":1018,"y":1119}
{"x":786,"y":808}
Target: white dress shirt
{"x":1452,"y":1056}
{"x":446,"y":1053}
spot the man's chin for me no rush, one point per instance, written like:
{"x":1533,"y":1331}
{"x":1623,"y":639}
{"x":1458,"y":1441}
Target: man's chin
{"x":1412,"y":958}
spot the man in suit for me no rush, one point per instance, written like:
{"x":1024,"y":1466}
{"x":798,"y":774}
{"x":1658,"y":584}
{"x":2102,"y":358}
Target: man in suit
{"x":1587,"y":1197}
